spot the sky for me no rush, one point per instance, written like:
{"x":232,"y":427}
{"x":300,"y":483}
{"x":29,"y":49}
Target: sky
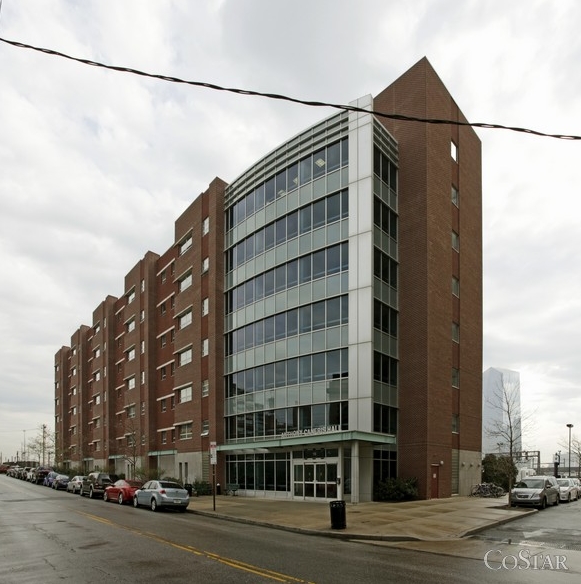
{"x":96,"y":165}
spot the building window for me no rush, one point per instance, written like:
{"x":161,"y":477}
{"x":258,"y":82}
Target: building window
{"x":206,"y":226}
{"x":455,"y":423}
{"x":163,"y":277}
{"x":131,"y":325}
{"x":455,"y":377}
{"x":142,"y":347}
{"x":205,"y":428}
{"x":97,"y":353}
{"x":131,"y":383}
{"x":455,"y":241}
{"x":131,"y":412}
{"x":184,"y":357}
{"x":163,"y":372}
{"x":131,"y":354}
{"x":205,"y":347}
{"x":97,"y":423}
{"x":186,"y":244}
{"x":143,"y":378}
{"x":163,"y":405}
{"x":455,"y":196}
{"x":73,"y":371}
{"x":185,"y":282}
{"x":185,"y":431}
{"x":143,"y":285}
{"x":205,"y":388}
{"x":455,"y":286}
{"x":142,"y":315}
{"x":173,"y":402}
{"x":143,"y":408}
{"x":455,"y":332}
{"x":205,"y":265}
{"x":185,"y":319}
{"x":163,"y":340}
{"x":97,"y":375}
{"x":97,"y":399}
{"x":454,"y":151}
{"x":185,"y":394}
{"x":205,"y":306}
{"x":164,"y":437}
{"x":131,"y":297}
{"x":163,"y":308}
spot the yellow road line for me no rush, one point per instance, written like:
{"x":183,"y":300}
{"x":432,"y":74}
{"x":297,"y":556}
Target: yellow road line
{"x":236,"y":564}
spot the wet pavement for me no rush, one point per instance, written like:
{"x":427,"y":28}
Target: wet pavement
{"x":431,"y":520}
{"x":440,"y":526}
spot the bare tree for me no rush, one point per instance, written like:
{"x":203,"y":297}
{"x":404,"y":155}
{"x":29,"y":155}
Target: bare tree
{"x":130,"y":446}
{"x":508,"y":422}
{"x":41,"y":445}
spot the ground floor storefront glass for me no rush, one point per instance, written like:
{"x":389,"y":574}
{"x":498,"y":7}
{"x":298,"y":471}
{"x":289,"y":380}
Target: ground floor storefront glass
{"x":311,"y":473}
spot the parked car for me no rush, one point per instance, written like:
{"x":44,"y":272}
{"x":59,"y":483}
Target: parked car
{"x":94,"y":484}
{"x":75,"y":484}
{"x":568,"y":490}
{"x":122,"y":491}
{"x":160,"y":494}
{"x":49,"y":478}
{"x":40,"y":474}
{"x":4,"y":468}
{"x":537,"y":491}
{"x":30,"y":474}
{"x":60,"y":482}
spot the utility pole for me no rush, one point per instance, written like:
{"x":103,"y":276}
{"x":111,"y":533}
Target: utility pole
{"x":43,"y":443}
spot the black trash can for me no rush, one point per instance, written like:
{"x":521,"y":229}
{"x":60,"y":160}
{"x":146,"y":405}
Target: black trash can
{"x":218,"y":489}
{"x":189,"y":488}
{"x":338,"y":515}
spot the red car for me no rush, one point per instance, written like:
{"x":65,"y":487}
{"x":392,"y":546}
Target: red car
{"x":122,"y":491}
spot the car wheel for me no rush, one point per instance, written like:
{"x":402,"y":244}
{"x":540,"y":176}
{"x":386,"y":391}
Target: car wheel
{"x":569,"y":498}
{"x":544,"y":503}
{"x":153,"y":505}
{"x":120,"y":500}
{"x":105,"y":496}
{"x":135,"y":503}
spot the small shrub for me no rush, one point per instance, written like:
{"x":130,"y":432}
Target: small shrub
{"x":396,"y":489}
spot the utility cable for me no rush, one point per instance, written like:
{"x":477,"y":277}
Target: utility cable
{"x":349,"y":108}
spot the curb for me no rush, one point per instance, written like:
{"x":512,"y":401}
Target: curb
{"x":358,"y":536}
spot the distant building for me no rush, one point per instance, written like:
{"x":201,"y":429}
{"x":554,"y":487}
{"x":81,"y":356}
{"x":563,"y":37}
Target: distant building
{"x":501,"y":409}
{"x":319,"y":319}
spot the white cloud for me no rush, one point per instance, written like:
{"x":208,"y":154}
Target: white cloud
{"x":97,"y":165}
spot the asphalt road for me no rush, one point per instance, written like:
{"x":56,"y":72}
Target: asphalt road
{"x":48,"y":536}
{"x":555,"y":527}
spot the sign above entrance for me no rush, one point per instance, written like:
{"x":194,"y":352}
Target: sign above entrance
{"x":311,"y":432}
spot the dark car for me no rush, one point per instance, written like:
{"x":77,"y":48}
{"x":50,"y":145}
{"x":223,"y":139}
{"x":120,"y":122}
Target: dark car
{"x":40,"y":474}
{"x":49,"y":478}
{"x":94,"y":484}
{"x":60,"y":482}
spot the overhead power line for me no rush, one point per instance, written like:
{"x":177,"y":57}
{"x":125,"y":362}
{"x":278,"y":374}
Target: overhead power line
{"x":349,"y":108}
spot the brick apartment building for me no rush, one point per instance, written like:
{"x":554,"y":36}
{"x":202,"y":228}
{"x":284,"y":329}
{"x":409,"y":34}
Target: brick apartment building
{"x":319,"y":319}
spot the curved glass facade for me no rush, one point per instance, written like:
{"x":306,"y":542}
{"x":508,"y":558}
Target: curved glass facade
{"x":299,"y":285}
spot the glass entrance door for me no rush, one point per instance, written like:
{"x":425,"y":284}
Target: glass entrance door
{"x":315,"y":480}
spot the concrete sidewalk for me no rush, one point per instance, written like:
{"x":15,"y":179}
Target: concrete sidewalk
{"x":432,"y":520}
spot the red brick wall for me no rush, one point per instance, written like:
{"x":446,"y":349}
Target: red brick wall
{"x":426,"y":398}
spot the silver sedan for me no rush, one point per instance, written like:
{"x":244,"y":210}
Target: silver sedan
{"x":160,"y":494}
{"x":568,"y":490}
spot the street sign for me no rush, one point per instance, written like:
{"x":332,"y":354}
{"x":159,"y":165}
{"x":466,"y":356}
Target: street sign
{"x":213,"y":456}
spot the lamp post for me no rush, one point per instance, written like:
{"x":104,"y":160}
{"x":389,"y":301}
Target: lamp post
{"x":569,"y":426}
